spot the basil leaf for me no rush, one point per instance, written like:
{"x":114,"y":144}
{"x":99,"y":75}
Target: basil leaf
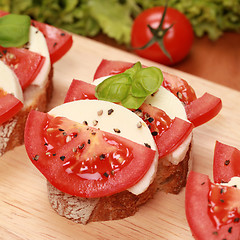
{"x":146,"y":81}
{"x":132,"y":87}
{"x":133,"y":102}
{"x":134,"y":69}
{"x":114,"y":88}
{"x":14,"y":30}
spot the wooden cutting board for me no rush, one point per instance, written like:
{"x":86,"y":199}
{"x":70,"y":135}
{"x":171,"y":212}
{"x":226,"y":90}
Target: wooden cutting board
{"x":24,"y":209}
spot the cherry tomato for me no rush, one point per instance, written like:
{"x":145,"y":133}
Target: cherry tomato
{"x":177,"y":40}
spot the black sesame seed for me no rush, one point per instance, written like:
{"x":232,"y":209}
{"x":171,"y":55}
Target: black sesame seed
{"x":36,"y":157}
{"x":116,"y":130}
{"x":215,"y":233}
{"x":62,"y":34}
{"x":150,"y":119}
{"x":45,"y":144}
{"x":89,"y":141}
{"x":221,"y":190}
{"x":147,"y":145}
{"x":110,"y":111}
{"x":54,"y":154}
{"x":236,"y":219}
{"x":106,"y":174}
{"x":55,"y":44}
{"x":226,"y":162}
{"x":75,"y":135}
{"x":5,"y":51}
{"x":230,"y":230}
{"x":93,"y":133}
{"x":234,"y":186}
{"x":85,"y":122}
{"x":221,"y":200}
{"x":154,"y":133}
{"x":202,"y":183}
{"x":82,"y":146}
{"x":102,"y":156}
{"x":62,"y":158}
{"x":61,"y":130}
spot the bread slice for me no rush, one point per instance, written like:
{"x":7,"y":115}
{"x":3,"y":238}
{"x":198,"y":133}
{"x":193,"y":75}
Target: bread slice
{"x":35,"y":97}
{"x":170,"y":178}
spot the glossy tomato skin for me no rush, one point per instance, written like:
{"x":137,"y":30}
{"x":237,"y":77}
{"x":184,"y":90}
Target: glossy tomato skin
{"x":58,"y":41}
{"x":203,"y":109}
{"x":25,"y":64}
{"x":177,"y":41}
{"x":9,"y":107}
{"x":226,"y":162}
{"x":197,"y":206}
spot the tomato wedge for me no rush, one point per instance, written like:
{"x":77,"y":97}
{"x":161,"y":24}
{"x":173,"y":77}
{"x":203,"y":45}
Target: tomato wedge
{"x":203,"y":109}
{"x":58,"y":41}
{"x":25,"y":64}
{"x":226,"y":163}
{"x":81,"y":160}
{"x":80,"y":90}
{"x":167,"y":133}
{"x":198,"y":110}
{"x":9,"y":106}
{"x":202,"y":201}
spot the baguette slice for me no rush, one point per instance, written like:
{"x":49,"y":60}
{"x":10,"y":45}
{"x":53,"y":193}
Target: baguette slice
{"x":170,"y":179}
{"x":35,"y":97}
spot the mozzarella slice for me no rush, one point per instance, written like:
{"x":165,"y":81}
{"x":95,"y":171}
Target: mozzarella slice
{"x":95,"y":113}
{"x":37,"y":44}
{"x":9,"y":82}
{"x":173,"y":107}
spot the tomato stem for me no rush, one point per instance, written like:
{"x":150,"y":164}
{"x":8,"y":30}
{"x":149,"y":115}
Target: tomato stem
{"x":158,"y":35}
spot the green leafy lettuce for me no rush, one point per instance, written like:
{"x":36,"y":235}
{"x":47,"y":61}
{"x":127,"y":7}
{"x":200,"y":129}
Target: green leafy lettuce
{"x":115,"y":17}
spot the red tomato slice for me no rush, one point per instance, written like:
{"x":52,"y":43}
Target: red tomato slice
{"x":80,"y":90}
{"x":199,"y":202}
{"x":25,"y":64}
{"x":9,"y":106}
{"x":226,"y":163}
{"x":203,"y":109}
{"x":108,"y":67}
{"x":81,"y":160}
{"x":58,"y":41}
{"x":167,"y":133}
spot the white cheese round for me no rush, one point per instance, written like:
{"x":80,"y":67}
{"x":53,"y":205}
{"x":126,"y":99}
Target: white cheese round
{"x":9,"y":81}
{"x":121,"y":118}
{"x":37,"y":44}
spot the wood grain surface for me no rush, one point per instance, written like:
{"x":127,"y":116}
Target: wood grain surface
{"x":24,"y":209}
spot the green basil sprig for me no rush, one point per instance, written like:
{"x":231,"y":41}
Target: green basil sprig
{"x":131,"y":87}
{"x":14,"y":30}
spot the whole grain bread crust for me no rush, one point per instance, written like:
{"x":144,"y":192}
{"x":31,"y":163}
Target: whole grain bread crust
{"x":170,"y":178}
{"x":35,"y":97}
